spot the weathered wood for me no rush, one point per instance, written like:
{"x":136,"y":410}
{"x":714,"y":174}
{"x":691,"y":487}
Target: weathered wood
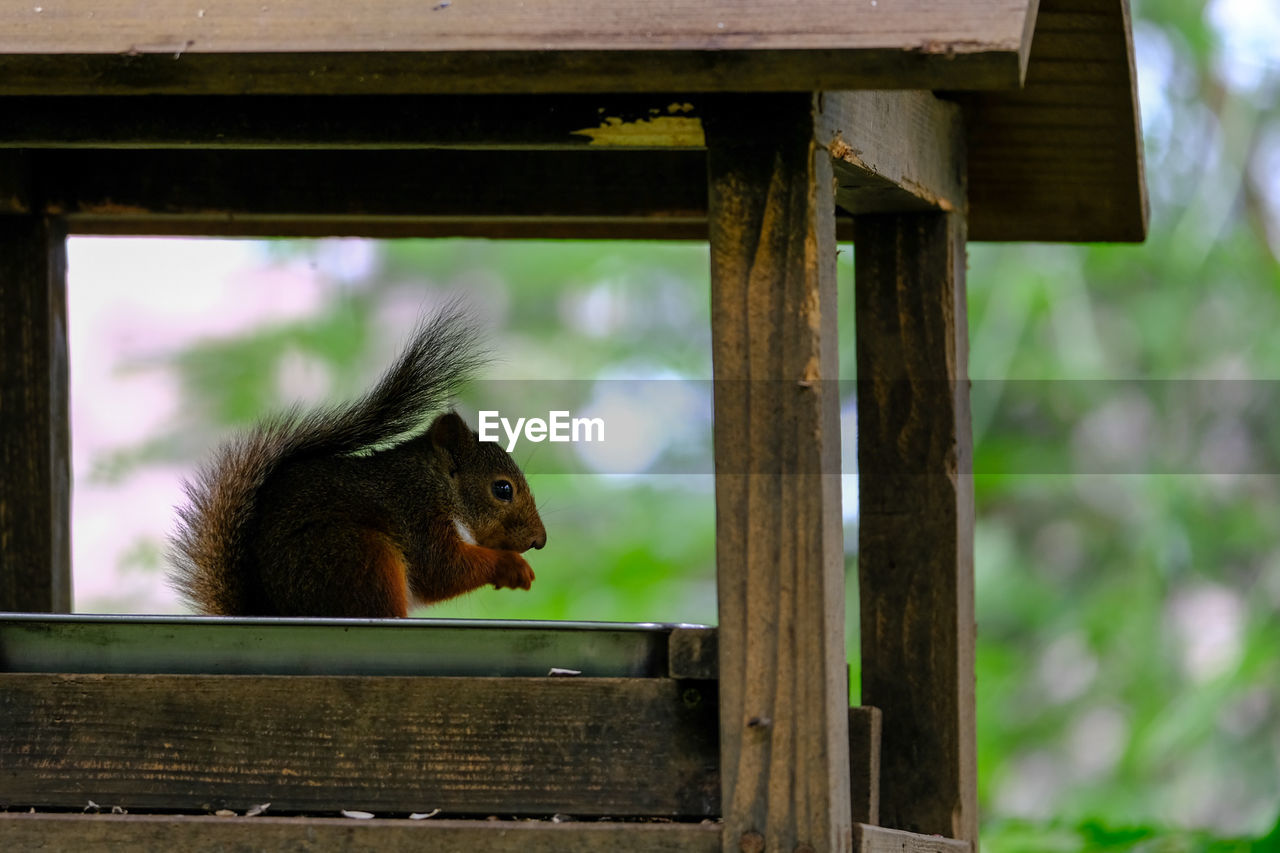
{"x":501,"y":122}
{"x":208,"y":834}
{"x":35,"y":452}
{"x":1062,"y":158}
{"x":496,"y":46}
{"x":915,"y":554}
{"x":893,"y":151}
{"x":601,"y":193}
{"x":864,"y":764}
{"x":459,"y":185}
{"x":576,"y":194}
{"x":779,"y":559}
{"x":391,"y":227}
{"x":596,"y":746}
{"x":693,"y":653}
{"x":877,"y":839}
{"x":889,"y":147}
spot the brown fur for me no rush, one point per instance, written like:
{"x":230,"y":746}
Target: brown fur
{"x":349,"y":511}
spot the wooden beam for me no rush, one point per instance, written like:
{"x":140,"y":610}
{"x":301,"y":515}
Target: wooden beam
{"x":1062,"y":158}
{"x":583,"y":194}
{"x":588,"y":185}
{"x":393,"y":227}
{"x":35,"y":444}
{"x":915,"y":543}
{"x":227,"y":191}
{"x":586,"y":746}
{"x":779,"y":560}
{"x":495,"y":46}
{"x":208,"y":834}
{"x":865,"y":724}
{"x":658,"y":120}
{"x":889,"y":148}
{"x":893,"y":151}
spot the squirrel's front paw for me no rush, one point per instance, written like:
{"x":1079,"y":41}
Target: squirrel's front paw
{"x":512,"y":571}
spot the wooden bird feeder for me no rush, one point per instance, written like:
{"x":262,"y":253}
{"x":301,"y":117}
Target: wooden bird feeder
{"x":763,"y":127}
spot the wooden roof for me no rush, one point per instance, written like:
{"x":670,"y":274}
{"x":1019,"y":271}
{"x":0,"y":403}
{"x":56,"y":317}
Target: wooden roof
{"x":1061,"y":158}
{"x":1057,"y":160}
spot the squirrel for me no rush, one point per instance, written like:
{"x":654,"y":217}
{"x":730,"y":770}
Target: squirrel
{"x":356,"y":511}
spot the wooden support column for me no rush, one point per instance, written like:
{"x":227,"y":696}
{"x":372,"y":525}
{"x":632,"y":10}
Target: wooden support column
{"x":783,"y":691}
{"x":35,"y":467}
{"x":915,"y":553}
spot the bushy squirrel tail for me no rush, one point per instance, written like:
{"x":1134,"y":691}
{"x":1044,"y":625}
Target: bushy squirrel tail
{"x":207,"y":552}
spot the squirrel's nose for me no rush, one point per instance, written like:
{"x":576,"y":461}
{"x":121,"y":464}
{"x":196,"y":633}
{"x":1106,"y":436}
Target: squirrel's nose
{"x":539,"y":540}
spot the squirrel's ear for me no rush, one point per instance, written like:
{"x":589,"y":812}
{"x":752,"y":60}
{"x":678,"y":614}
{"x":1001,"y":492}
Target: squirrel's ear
{"x":451,"y":432}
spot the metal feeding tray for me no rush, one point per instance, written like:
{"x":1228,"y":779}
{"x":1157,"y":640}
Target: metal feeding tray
{"x":197,"y":645}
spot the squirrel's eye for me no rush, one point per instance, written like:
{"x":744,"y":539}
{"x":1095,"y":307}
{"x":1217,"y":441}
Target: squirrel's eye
{"x":503,"y":490}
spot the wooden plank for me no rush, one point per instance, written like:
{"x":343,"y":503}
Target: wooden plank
{"x":598,"y":746}
{"x":493,"y":228}
{"x":893,"y":151}
{"x":497,"y":46}
{"x":386,"y":228}
{"x":207,"y":834}
{"x":659,"y":120}
{"x":693,"y":653}
{"x":915,"y":551}
{"x":888,"y":146}
{"x":1062,"y":158}
{"x":779,"y":560}
{"x":35,"y":443}
{"x":214,"y":189}
{"x":877,"y":839}
{"x":865,"y":724}
{"x":579,"y":194}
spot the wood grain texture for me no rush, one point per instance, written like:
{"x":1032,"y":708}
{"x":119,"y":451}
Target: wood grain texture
{"x":780,"y":572}
{"x":35,"y":442}
{"x":893,"y":151}
{"x":208,"y":834}
{"x":322,"y":743}
{"x":500,"y":46}
{"x":915,"y":551}
{"x":1062,"y":158}
{"x":877,"y":839}
{"x":865,"y":724}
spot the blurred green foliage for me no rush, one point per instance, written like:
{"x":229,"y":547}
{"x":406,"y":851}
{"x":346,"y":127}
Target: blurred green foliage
{"x":1128,"y":642}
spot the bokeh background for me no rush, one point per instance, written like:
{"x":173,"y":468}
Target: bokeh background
{"x":1126,"y":469}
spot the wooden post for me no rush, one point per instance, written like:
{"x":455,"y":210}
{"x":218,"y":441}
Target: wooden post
{"x":783,"y":693}
{"x":35,"y":467}
{"x":915,"y":553}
